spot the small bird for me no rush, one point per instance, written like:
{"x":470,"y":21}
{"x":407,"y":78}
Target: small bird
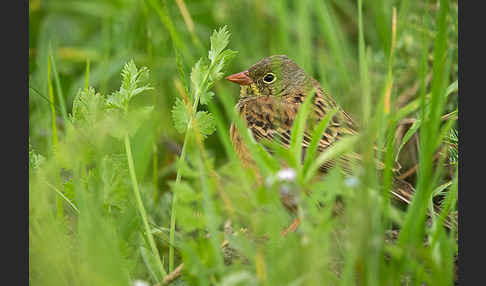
{"x":271,"y":93}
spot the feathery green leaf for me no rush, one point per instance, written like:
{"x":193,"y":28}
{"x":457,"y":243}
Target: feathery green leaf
{"x":180,"y":116}
{"x":205,"y":122}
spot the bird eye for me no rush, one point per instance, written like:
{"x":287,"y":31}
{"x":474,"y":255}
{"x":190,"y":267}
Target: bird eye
{"x":269,"y":78}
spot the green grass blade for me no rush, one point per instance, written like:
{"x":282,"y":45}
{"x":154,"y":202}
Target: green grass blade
{"x":412,"y":230}
{"x":410,"y":132}
{"x":316,"y":137}
{"x":53,"y":107}
{"x":298,"y":128}
{"x":416,"y":103}
{"x":60,"y":208}
{"x":60,"y":96}
{"x":68,"y":201}
{"x":337,"y":149}
{"x":363,"y":68}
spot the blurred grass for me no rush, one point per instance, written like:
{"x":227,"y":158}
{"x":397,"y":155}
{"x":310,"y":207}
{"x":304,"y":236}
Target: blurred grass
{"x":348,"y":48}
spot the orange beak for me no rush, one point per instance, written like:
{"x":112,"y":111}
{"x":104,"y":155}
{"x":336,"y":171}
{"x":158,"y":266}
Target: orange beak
{"x":242,"y":78}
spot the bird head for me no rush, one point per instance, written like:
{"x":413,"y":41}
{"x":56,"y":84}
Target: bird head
{"x":276,"y":75}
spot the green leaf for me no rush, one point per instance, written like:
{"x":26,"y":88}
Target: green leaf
{"x":88,"y":107}
{"x":217,"y":68}
{"x":437,"y":191}
{"x":316,"y":137}
{"x":227,"y":55}
{"x":133,"y":77}
{"x":219,"y":41}
{"x":415,"y":104}
{"x":453,"y":87}
{"x":139,"y":90}
{"x":297,"y":134}
{"x":69,"y":193}
{"x":180,"y":116}
{"x":35,"y":160}
{"x":270,"y":161}
{"x":197,"y":76}
{"x":218,"y":57}
{"x":281,"y":152}
{"x":114,"y":176}
{"x":410,"y":132}
{"x":335,"y":150}
{"x":134,"y":82}
{"x":114,"y":100}
{"x":128,"y":71}
{"x":206,"y":97}
{"x":205,"y":122}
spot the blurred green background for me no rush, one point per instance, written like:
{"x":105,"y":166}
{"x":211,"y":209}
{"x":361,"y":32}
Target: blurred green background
{"x":102,"y":35}
{"x":321,"y":36}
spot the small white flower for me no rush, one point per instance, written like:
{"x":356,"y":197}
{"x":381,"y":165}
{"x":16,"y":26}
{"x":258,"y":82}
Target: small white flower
{"x":286,"y":175}
{"x":140,"y":283}
{"x":351,"y":182}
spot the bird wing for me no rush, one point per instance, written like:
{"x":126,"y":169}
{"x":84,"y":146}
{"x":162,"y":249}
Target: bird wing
{"x":270,"y":121}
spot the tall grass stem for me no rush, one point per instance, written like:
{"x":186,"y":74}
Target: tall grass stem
{"x":141,"y":208}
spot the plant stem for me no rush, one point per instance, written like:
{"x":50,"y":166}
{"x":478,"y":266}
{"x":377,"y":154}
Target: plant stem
{"x":173,"y":211}
{"x":141,"y":208}
{"x":178,"y":178}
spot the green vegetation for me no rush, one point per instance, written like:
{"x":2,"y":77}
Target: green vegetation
{"x":131,"y":177}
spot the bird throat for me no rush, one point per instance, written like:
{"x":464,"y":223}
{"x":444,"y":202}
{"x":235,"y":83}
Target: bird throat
{"x":250,"y":90}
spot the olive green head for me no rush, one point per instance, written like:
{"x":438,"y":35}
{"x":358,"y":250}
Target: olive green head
{"x":276,"y":75}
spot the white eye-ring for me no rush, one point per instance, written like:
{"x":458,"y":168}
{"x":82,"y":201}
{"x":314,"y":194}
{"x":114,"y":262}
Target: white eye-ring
{"x":269,"y":78}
